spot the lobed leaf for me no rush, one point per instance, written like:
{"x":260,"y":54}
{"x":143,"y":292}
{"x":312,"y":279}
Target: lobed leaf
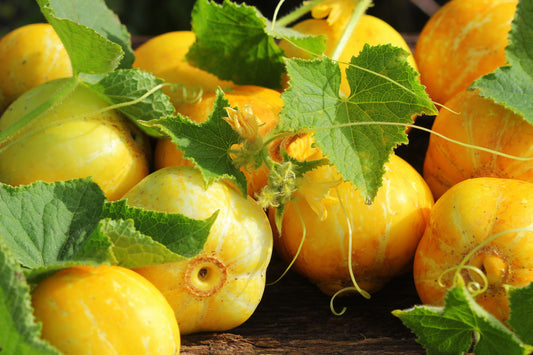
{"x":92,"y":34}
{"x":453,"y":328}
{"x":207,"y":144}
{"x":357,"y":133}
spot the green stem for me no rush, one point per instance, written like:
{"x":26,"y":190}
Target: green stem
{"x":358,"y":11}
{"x":59,"y":95}
{"x":296,"y":14}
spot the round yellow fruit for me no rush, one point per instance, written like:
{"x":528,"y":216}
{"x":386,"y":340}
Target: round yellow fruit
{"x":462,"y":41}
{"x":76,"y":138}
{"x":104,"y":310}
{"x":164,"y":56}
{"x":220,"y":288}
{"x":479,"y":122}
{"x":462,"y":227}
{"x":30,"y":55}
{"x":328,"y":212}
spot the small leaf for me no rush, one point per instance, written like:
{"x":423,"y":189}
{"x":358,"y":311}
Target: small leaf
{"x":512,"y":85}
{"x":124,"y":87}
{"x":232,"y":42}
{"x":313,"y":46}
{"x":132,"y":248}
{"x":93,"y":36}
{"x":207,"y":144}
{"x":384,"y":88}
{"x":19,"y":332}
{"x":452,"y":328}
{"x":180,"y":234}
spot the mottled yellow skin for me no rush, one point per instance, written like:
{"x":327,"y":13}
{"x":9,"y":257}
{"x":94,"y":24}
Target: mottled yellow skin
{"x":477,"y":121}
{"x":72,"y":141}
{"x":105,"y":310}
{"x":30,"y":55}
{"x":384,"y":234}
{"x":369,"y":30}
{"x":462,"y":41}
{"x":266,"y":105}
{"x":224,"y":291}
{"x":164,"y":56}
{"x":465,"y":217}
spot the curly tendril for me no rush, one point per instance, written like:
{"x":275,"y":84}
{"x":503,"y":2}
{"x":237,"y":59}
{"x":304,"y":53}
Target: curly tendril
{"x":473,"y":287}
{"x":355,"y":286}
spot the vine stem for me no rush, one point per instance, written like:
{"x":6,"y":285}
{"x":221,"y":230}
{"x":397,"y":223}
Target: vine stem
{"x":295,"y":14}
{"x":53,"y":100}
{"x":430,"y":131}
{"x":359,"y":10}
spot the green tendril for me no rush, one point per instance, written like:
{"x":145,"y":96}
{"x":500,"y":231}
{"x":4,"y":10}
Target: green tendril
{"x":473,"y":287}
{"x":355,"y":286}
{"x":304,"y":234}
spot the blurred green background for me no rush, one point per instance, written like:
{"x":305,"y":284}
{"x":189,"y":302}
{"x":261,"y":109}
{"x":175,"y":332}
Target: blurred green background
{"x":152,"y":17}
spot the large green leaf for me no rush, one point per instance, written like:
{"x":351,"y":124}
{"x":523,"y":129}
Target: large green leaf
{"x":358,"y":132}
{"x":232,"y":42}
{"x":48,"y":223}
{"x":92,"y":34}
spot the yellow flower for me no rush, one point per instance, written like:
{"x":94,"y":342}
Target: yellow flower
{"x":244,"y":122}
{"x":334,"y":10}
{"x":317,"y":186}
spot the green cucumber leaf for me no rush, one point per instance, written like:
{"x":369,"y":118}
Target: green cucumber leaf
{"x":131,"y":248}
{"x":125,"y":87}
{"x":92,"y":34}
{"x":180,"y":234}
{"x":384,"y":88}
{"x":232,"y":43}
{"x":19,"y":332}
{"x":512,"y":85}
{"x":521,"y":318}
{"x":46,"y":223}
{"x":208,"y":143}
{"x":459,"y":326}
{"x":314,"y":46}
